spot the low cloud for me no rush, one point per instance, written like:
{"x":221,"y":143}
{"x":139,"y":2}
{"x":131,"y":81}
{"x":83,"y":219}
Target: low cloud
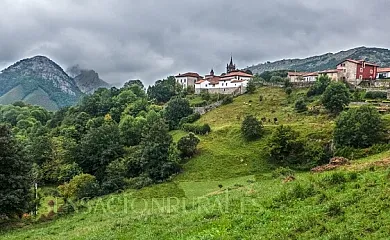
{"x":152,"y":39}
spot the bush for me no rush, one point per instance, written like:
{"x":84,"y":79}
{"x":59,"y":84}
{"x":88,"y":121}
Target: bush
{"x":375,"y":95}
{"x":319,"y":86}
{"x":359,"y":127}
{"x":336,"y":97}
{"x":139,"y":182}
{"x":300,"y":105}
{"x":228,"y":99}
{"x":190,"y":119}
{"x":68,"y":171}
{"x":199,"y":104}
{"x":284,"y":146}
{"x":197,"y":129}
{"x":176,"y":109}
{"x":251,"y":128}
{"x":81,"y":186}
{"x":187,"y":145}
{"x":288,"y":90}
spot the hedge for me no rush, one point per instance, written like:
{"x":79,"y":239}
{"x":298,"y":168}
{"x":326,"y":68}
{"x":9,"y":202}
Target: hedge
{"x":189,"y":119}
{"x":376,"y":95}
{"x":197,"y":129}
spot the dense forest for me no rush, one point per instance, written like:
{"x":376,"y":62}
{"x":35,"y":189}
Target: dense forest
{"x":112,"y":139}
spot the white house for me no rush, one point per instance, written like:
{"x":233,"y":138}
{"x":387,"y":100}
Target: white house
{"x":234,"y":82}
{"x":187,"y":79}
{"x":310,"y":77}
{"x":383,"y":73}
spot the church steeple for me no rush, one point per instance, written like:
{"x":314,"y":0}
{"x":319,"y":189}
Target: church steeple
{"x":231,"y":66}
{"x":212,"y":72}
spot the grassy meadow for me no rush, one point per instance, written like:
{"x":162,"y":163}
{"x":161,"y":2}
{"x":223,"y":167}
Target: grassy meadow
{"x":228,"y":191}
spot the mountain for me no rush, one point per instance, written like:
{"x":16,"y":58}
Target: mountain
{"x":88,"y":81}
{"x":379,"y":56}
{"x":38,"y":81}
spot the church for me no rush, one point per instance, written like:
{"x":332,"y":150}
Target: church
{"x":234,"y":81}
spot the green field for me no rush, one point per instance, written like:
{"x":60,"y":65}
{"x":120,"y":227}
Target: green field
{"x":227,"y":191}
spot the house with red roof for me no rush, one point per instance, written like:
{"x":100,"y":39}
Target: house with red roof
{"x":188,"y":79}
{"x":232,"y":82}
{"x":357,"y":71}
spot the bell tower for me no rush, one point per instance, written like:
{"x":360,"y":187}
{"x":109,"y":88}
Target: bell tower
{"x":231,"y":66}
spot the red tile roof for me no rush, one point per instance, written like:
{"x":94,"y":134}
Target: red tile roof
{"x":330,"y":71}
{"x":200,"y":81}
{"x":189,"y":74}
{"x":382,"y":70}
{"x":359,"y":62}
{"x":238,"y":73}
{"x":296,"y":73}
{"x":311,"y":74}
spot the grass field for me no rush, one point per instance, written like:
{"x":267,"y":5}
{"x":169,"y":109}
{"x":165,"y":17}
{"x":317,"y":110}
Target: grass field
{"x":227,"y":191}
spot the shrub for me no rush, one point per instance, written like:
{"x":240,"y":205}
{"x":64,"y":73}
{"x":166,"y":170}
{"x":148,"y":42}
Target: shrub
{"x":251,"y":128}
{"x":190,"y":119}
{"x":284,"y":146}
{"x":228,"y":99}
{"x":197,"y":129}
{"x":251,"y":87}
{"x":288,"y":90}
{"x":336,"y":97}
{"x":359,"y":128}
{"x":139,"y":182}
{"x":319,"y":86}
{"x":199,"y":104}
{"x":375,"y":95}
{"x":81,"y":186}
{"x":68,"y":171}
{"x":187,"y":145}
{"x":300,"y":105}
{"x":176,"y":109}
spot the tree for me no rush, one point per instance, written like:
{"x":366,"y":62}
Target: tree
{"x":98,"y":148}
{"x":336,"y":97}
{"x":300,"y":105}
{"x":251,"y":87}
{"x":319,"y":86}
{"x":156,"y":161}
{"x":187,"y":145}
{"x":288,"y":90}
{"x":276,"y":79}
{"x":81,"y":186}
{"x":15,"y":181}
{"x":131,"y":130}
{"x":359,"y":128}
{"x":176,"y":109}
{"x":284,"y":146}
{"x":163,"y":90}
{"x":251,"y":128}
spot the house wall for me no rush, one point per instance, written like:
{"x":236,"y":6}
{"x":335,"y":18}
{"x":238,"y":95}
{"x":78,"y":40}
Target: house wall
{"x":294,"y":78}
{"x":223,"y":87}
{"x":186,"y":81}
{"x":366,"y":72}
{"x":384,"y":75}
{"x":348,"y":71}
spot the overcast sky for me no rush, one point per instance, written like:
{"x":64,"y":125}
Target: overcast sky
{"x":151,"y":39}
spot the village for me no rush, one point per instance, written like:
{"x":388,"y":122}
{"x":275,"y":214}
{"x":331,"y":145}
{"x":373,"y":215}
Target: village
{"x":357,"y":73}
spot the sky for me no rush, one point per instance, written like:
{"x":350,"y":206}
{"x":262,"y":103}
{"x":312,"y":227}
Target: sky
{"x":153,"y":39}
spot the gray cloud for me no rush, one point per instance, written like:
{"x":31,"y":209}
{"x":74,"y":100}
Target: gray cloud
{"x":152,"y":39}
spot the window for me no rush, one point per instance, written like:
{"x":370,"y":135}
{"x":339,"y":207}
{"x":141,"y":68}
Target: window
{"x":224,"y":89}
{"x":361,"y":70}
{"x":206,"y":85}
{"x":371,"y":71}
{"x":361,"y":77}
{"x":184,"y":80}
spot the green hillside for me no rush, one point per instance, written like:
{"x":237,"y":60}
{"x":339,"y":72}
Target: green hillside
{"x":229,"y":190}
